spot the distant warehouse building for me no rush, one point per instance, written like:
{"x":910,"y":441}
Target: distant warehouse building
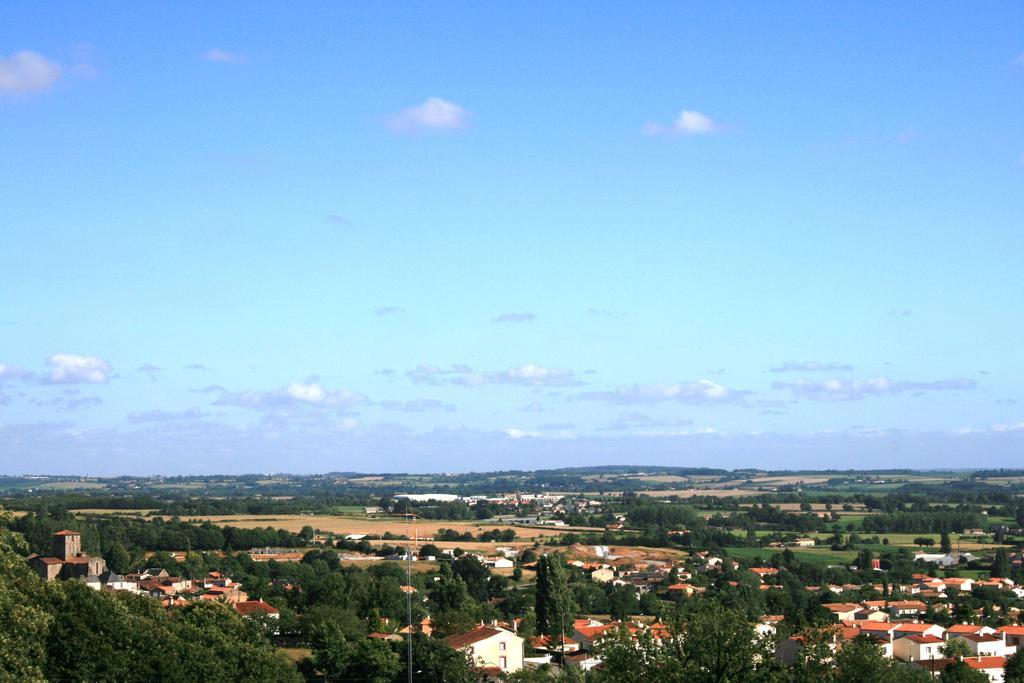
{"x":429,"y":497}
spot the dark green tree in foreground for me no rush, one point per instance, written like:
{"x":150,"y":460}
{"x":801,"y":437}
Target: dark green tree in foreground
{"x":1001,"y":564}
{"x":1014,"y":672}
{"x":710,"y":644}
{"x":959,"y":672}
{"x":554,"y":606}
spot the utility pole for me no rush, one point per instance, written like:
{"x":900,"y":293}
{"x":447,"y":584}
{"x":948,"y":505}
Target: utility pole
{"x":408,"y":593}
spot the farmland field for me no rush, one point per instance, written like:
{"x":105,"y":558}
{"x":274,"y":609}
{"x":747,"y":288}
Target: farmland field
{"x":354,"y":525}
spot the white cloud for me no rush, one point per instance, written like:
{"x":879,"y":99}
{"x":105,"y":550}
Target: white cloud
{"x":688,"y":122}
{"x":220,"y":56}
{"x":27,"y":72}
{"x":295,"y":395}
{"x":702,"y":391}
{"x":313,"y":393}
{"x":514,"y":433}
{"x":433,"y":114}
{"x":67,"y":368}
{"x":837,"y":389}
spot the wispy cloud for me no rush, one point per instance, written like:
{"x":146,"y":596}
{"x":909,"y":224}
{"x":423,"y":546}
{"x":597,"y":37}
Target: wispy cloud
{"x":149,"y":370}
{"x":10,"y":373}
{"x":198,"y":366}
{"x":432,"y":114}
{"x":389,"y":310}
{"x":900,"y":313}
{"x":702,"y":391}
{"x":530,"y":374}
{"x":811,"y":366}
{"x":632,"y":421}
{"x":296,"y":394}
{"x":515,"y":318}
{"x":157,"y":415}
{"x":68,"y":368}
{"x":335,"y":219}
{"x":420,"y":405}
{"x":837,"y":389}
{"x":70,"y":402}
{"x":220,"y":56}
{"x":27,"y":72}
{"x":688,"y":122}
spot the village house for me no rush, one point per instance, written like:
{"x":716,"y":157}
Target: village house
{"x":1014,"y":636}
{"x":916,"y":648}
{"x":986,"y":645}
{"x":993,"y":667}
{"x":842,"y":611}
{"x":254,"y":608}
{"x":907,"y":608}
{"x":490,"y":647}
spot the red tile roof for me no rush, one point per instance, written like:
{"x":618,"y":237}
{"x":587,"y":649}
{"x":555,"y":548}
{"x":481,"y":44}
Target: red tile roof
{"x":250,"y":607}
{"x":461,"y":640}
{"x":985,"y":662}
{"x":68,"y":532}
{"x":1011,"y":630}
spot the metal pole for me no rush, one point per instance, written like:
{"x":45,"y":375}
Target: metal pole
{"x":408,"y":593}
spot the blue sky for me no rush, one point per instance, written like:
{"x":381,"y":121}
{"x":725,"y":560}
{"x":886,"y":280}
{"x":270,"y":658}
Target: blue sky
{"x":447,"y":237}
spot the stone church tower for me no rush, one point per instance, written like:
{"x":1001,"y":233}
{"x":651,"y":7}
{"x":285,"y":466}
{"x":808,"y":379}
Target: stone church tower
{"x":67,"y":544}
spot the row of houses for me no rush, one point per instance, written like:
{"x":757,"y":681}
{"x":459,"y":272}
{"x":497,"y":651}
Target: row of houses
{"x":69,"y":562}
{"x":924,"y":644}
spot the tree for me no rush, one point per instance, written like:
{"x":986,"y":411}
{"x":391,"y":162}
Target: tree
{"x":956,"y":648}
{"x":1014,"y":672}
{"x":711,"y":644}
{"x":959,"y":672}
{"x":450,"y":593}
{"x":435,"y":662}
{"x":118,"y":558}
{"x":554,"y":605}
{"x":622,"y":602}
{"x":944,"y":543}
{"x":862,"y":661}
{"x":1001,"y":564}
{"x":863,"y":561}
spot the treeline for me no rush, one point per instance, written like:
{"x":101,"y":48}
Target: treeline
{"x":914,"y":522}
{"x":111,"y":536}
{"x":502,"y":535}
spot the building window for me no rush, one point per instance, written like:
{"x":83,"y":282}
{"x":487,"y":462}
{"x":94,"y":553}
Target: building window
{"x":502,"y":663}
{"x":501,"y":646}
